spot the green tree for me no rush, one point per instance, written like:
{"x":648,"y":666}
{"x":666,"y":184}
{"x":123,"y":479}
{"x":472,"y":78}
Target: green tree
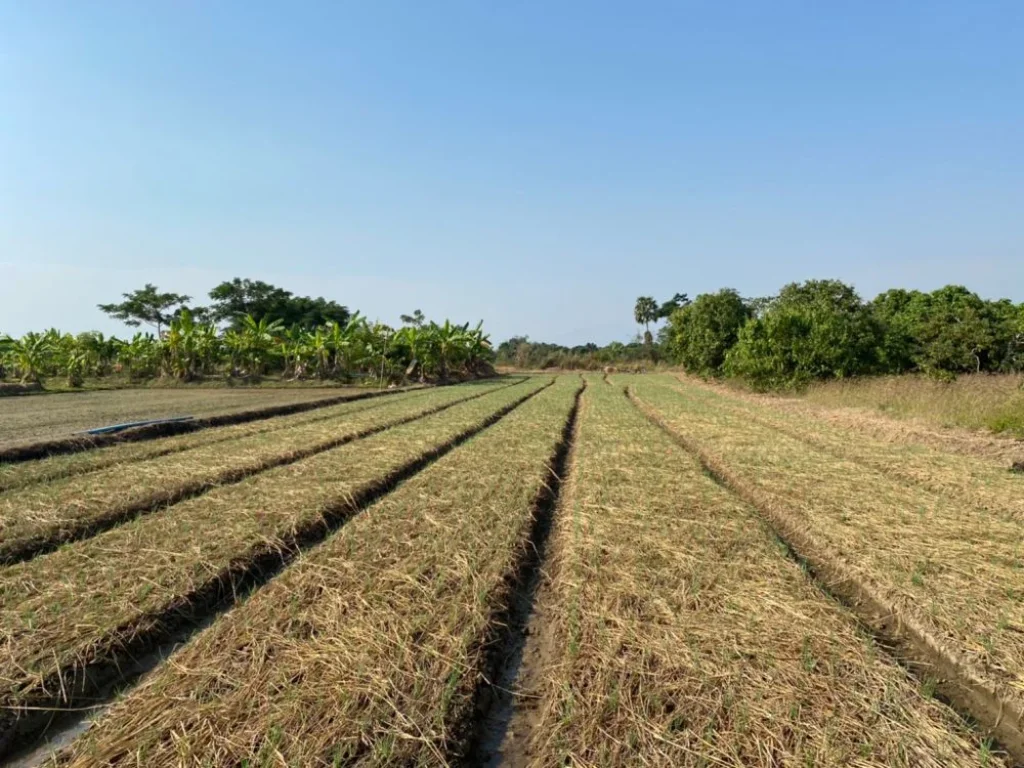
{"x":814,"y":330}
{"x":678,"y":301}
{"x":416,"y":319}
{"x":446,"y":345}
{"x":958,"y":331}
{"x":702,"y":332}
{"x":146,"y":305}
{"x":896,"y":312}
{"x":348,"y":343}
{"x":234,"y":300}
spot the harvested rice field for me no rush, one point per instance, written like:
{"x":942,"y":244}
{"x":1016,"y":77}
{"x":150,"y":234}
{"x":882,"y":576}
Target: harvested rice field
{"x":28,"y":419}
{"x":524,"y":571}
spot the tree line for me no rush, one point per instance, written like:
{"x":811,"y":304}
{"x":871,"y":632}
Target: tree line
{"x":251,"y":329}
{"x":822,"y":329}
{"x":818,"y":329}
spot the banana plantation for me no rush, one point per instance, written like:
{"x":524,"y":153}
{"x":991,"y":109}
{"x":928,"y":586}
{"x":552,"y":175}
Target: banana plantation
{"x":189,"y":350}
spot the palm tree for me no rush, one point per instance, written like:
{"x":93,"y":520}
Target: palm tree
{"x":646,"y":311}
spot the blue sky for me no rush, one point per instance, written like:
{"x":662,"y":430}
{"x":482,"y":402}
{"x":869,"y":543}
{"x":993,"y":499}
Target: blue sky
{"x":534,"y":164}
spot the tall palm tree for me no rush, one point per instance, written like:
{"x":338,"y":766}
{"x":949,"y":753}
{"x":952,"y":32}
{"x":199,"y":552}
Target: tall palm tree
{"x":645,"y":312}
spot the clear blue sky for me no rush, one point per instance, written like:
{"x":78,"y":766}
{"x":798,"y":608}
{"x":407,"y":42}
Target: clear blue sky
{"x":534,"y":164}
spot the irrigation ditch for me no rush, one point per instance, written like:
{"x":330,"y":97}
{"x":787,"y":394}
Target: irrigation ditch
{"x":958,"y":681}
{"x":126,"y":653}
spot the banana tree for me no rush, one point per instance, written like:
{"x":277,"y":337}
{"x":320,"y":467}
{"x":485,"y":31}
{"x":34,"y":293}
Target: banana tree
{"x":293,"y":349}
{"x":409,"y":346}
{"x":187,"y":346}
{"x":319,"y":347}
{"x":140,"y":356}
{"x":377,"y":347}
{"x":28,"y":355}
{"x":477,"y":347}
{"x":447,"y":346}
{"x":259,"y":342}
{"x":347,"y":344}
{"x":234,"y":342}
{"x":75,"y":364}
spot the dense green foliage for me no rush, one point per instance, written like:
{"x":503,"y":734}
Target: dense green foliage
{"x":705,"y":329}
{"x":522,"y":353}
{"x":231,"y":302}
{"x":816,"y":330}
{"x":295,"y":338}
{"x":821,"y":329}
{"x":237,"y":299}
{"x":146,"y":305}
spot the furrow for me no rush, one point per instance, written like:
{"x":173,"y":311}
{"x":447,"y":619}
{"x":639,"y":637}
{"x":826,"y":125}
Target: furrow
{"x":71,"y":618}
{"x":77,"y":443}
{"x":676,"y":633}
{"x":494,"y":699}
{"x":504,"y":726}
{"x":39,"y":519}
{"x":373,"y":647}
{"x":24,"y":474}
{"x":921,"y":641}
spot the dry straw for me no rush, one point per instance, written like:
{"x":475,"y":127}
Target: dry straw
{"x":23,"y":474}
{"x":39,"y":517}
{"x":67,"y":612}
{"x":680,"y":635}
{"x":54,"y":425}
{"x":870,"y":417}
{"x":943,"y":576}
{"x":27,"y":419}
{"x":369,"y":650}
{"x":971,"y":478}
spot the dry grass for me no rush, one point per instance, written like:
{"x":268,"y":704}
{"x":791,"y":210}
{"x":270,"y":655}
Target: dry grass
{"x":982,"y":401}
{"x":83,"y":603}
{"x":37,"y":517}
{"x":31,"y":418}
{"x":948,"y":568}
{"x":21,"y":474}
{"x":369,"y":650}
{"x":680,"y":634}
{"x":969,"y":478}
{"x":1002,"y":449}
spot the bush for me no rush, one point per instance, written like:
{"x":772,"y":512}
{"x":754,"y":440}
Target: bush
{"x":701,"y":333}
{"x":816,"y":330}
